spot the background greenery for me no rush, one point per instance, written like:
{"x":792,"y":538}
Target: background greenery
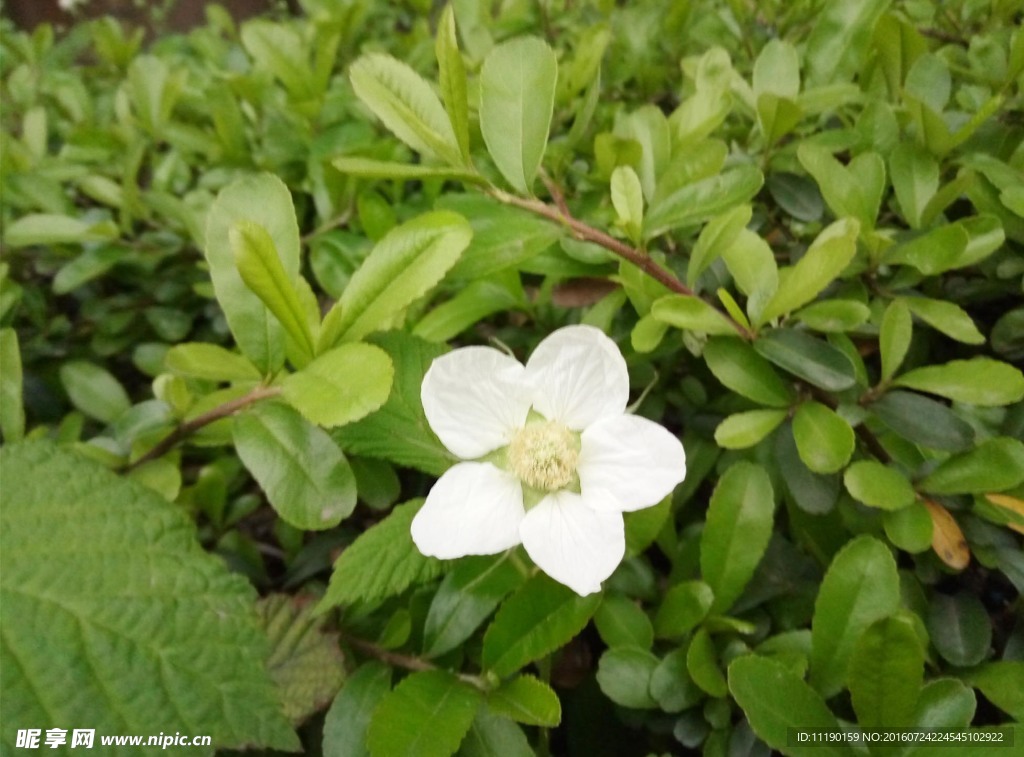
{"x":230,"y":255}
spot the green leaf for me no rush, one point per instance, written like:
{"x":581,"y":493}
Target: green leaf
{"x":915,"y":178}
{"x":959,"y":628}
{"x":342,"y":385}
{"x":407,"y":105}
{"x":878,"y":485}
{"x":264,"y":200}
{"x":280,"y":50}
{"x":691,"y":314}
{"x":50,"y":229}
{"x":427,"y":714}
{"x":739,"y":525}
{"x":624,"y":675}
{"x":210,"y":362}
{"x":993,"y":465}
{"x":12,"y":411}
{"x":741,"y":369}
{"x":825,"y":259}
{"x":453,"y":79}
{"x":1000,"y":683}
{"x":527,"y":700}
{"x":716,"y":237}
{"x":775,"y":700}
{"x":824,"y":440}
{"x":367,"y":168}
{"x":517,"y":98}
{"x":162,"y":631}
{"x":840,"y":39}
{"x":685,"y":605}
{"x":466,"y":597}
{"x":301,"y":470}
{"x":886,"y":674}
{"x":909,"y":528}
{"x":402,"y":267}
{"x":834,"y":316}
{"x":944,"y":316}
{"x":894,"y":336}
{"x":628,"y":200}
{"x":94,"y":391}
{"x":702,"y":199}
{"x":539,"y":618}
{"x":742,"y":430}
{"x":807,"y":357}
{"x":472,"y":304}
{"x":923,"y":421}
{"x":399,"y":431}
{"x":777,"y":70}
{"x":348,"y":718}
{"x":703,"y":666}
{"x":260,"y":267}
{"x":91,"y":264}
{"x":811,"y":492}
{"x":979,"y":381}
{"x":621,"y":622}
{"x":494,"y":736}
{"x":671,"y":684}
{"x":381,"y":562}
{"x":946,"y":703}
{"x":956,"y":245}
{"x":860,"y":587}
{"x":305,"y":662}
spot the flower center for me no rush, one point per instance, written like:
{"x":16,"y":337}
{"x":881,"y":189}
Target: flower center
{"x":543,"y":455}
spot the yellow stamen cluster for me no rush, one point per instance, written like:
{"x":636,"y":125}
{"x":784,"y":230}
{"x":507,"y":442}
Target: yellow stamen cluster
{"x":544,"y":455}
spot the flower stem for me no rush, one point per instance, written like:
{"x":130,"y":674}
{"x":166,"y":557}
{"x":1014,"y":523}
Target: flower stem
{"x":216,"y":414}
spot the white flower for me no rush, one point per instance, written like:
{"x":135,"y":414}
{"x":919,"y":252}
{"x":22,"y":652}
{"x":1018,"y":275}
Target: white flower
{"x":550,"y":457}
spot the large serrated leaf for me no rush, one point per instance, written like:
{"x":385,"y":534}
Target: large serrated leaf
{"x":517,"y":97}
{"x":428,"y":714}
{"x":263,"y":200}
{"x":407,"y":105}
{"x":538,"y":619}
{"x":382,"y":562}
{"x":105,"y":589}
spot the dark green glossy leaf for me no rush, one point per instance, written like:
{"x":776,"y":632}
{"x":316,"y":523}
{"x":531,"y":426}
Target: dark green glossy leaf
{"x":527,"y":700}
{"x":349,"y":716}
{"x":624,"y":675}
{"x":923,"y":421}
{"x":808,"y":358}
{"x":740,"y":368}
{"x":959,"y":628}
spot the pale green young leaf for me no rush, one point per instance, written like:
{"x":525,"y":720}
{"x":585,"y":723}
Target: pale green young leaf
{"x":427,"y":714}
{"x":717,"y":235}
{"x":776,"y":700}
{"x":209,"y":361}
{"x":484,"y":297}
{"x":702,"y":199}
{"x":979,"y":381}
{"x":94,"y":390}
{"x":886,"y":673}
{"x":860,"y":587}
{"x":265,"y":200}
{"x":517,"y":96}
{"x":12,"y":410}
{"x":407,"y":105}
{"x":993,"y":465}
{"x":743,"y":430}
{"x":259,"y":265}
{"x":381,"y":562}
{"x":305,"y":476}
{"x":947,"y":317}
{"x":824,"y":440}
{"x":777,"y":116}
{"x":368,"y":168}
{"x":648,"y":127}
{"x":684,"y":606}
{"x":538,"y":619}
{"x":527,"y":700}
{"x":752,"y":264}
{"x":956,"y":245}
{"x":894,"y":336}
{"x":741,"y":369}
{"x":840,"y":191}
{"x":76,"y":543}
{"x":691,"y":314}
{"x":453,"y":79}
{"x":878,"y":485}
{"x":50,"y":228}
{"x":342,"y":385}
{"x":915,"y":178}
{"x":402,"y":267}
{"x":840,"y":39}
{"x":824,"y":261}
{"x":739,"y":524}
{"x":777,"y":70}
{"x":278,"y":49}
{"x":834,"y":316}
{"x":628,"y":200}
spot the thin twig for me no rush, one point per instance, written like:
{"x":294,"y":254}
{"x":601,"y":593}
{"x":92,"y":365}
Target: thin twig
{"x":189,"y":427}
{"x":408,"y":662}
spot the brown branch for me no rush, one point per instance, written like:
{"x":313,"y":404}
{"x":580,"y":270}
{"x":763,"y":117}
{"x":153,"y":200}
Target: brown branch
{"x":408,"y":662}
{"x":588,"y":233}
{"x":189,"y":427}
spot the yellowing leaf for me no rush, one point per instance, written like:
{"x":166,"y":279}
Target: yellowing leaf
{"x":947,"y":539}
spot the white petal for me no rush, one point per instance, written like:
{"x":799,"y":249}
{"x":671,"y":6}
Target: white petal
{"x":574,"y":544}
{"x":633,"y":459}
{"x":579,"y":376}
{"x":474,"y":398}
{"x":473,"y":509}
